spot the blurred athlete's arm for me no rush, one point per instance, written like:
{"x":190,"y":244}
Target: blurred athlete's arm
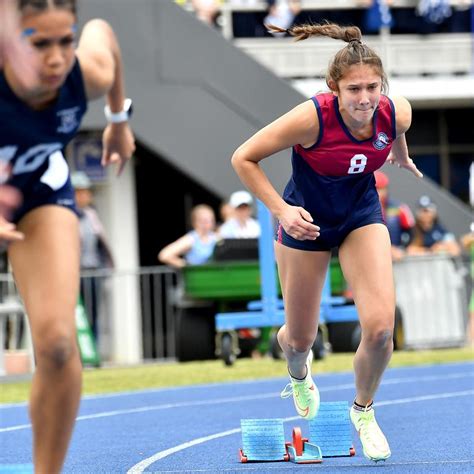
{"x":13,"y":49}
{"x":101,"y":63}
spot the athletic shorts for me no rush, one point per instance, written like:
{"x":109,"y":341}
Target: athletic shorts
{"x":43,"y":195}
{"x":338,"y":205}
{"x":329,"y":238}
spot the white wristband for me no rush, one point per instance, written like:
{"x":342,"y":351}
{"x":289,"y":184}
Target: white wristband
{"x":121,"y":116}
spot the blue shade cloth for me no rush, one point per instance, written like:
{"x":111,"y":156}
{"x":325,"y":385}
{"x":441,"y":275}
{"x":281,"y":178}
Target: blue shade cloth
{"x":434,"y":11}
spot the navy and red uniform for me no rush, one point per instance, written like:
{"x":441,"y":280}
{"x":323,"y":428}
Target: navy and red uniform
{"x":334,"y":180}
{"x":400,"y":222}
{"x":33,"y":143}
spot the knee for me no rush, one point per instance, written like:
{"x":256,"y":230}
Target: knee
{"x":55,"y":351}
{"x":379,"y":337}
{"x":301,"y":343}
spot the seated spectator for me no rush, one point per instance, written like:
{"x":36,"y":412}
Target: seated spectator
{"x":398,"y":217}
{"x":195,"y":247}
{"x":206,"y":10}
{"x":242,"y":225}
{"x":282,"y":13}
{"x":429,"y":235}
{"x":226,"y":212}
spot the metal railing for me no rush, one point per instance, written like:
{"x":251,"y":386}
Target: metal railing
{"x":436,"y":283}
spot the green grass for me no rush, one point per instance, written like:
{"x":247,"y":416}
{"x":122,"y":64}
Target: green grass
{"x":107,"y":380}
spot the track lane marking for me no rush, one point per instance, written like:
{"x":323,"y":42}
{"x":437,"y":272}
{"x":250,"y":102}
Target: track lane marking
{"x":142,"y":465}
{"x":166,"y":406}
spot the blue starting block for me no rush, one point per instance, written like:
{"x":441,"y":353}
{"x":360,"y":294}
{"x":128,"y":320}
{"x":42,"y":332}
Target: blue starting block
{"x":330,"y":435}
{"x":263,"y":440}
{"x":331,"y":430}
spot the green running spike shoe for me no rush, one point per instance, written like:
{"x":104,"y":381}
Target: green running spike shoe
{"x":305,"y":393}
{"x":373,"y":441}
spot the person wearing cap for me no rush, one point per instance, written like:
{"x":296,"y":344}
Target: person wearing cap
{"x":95,"y":250}
{"x":242,"y":225}
{"x":429,"y":236}
{"x":398,"y":217}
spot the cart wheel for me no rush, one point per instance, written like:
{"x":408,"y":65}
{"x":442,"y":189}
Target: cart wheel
{"x":318,"y":348}
{"x":298,"y":441}
{"x":275,"y":348}
{"x":227,"y":350}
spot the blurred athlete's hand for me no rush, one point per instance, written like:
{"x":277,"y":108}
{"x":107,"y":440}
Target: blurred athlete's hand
{"x":297,"y":223}
{"x":118,"y":145}
{"x":8,"y":232}
{"x":13,"y":48}
{"x":10,"y":199}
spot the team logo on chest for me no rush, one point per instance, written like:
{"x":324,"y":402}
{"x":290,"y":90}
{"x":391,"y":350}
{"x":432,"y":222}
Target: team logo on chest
{"x":381,"y":141}
{"x":68,"y":120}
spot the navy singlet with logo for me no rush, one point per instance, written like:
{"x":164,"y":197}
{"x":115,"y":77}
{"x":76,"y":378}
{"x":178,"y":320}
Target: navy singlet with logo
{"x":33,"y":143}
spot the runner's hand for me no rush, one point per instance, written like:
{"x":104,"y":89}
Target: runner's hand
{"x":118,"y":144}
{"x":297,"y":223}
{"x":408,"y":164}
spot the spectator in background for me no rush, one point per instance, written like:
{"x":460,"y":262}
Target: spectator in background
{"x":195,"y":247}
{"x":397,"y":216}
{"x":429,"y":235}
{"x":207,"y":10}
{"x":282,"y":13}
{"x":95,"y":250}
{"x":226,"y":212}
{"x":242,"y":225}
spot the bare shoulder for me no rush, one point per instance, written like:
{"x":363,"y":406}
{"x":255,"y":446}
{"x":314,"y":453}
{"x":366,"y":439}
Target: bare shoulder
{"x":96,"y":58}
{"x":402,"y":113}
{"x":303,"y":121}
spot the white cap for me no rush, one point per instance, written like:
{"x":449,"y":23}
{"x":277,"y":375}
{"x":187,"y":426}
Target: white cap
{"x":80,"y":180}
{"x":239,"y":198}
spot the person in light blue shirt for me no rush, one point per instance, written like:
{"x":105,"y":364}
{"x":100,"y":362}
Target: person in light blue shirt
{"x":195,"y":247}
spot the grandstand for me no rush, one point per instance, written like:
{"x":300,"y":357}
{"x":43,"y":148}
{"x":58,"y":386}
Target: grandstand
{"x":198,"y":93}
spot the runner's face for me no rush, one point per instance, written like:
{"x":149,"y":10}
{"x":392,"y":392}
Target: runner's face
{"x":359,"y":92}
{"x":52,"y":35}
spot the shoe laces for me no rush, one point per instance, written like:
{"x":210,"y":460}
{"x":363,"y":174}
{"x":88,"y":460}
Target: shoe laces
{"x":287,"y":392}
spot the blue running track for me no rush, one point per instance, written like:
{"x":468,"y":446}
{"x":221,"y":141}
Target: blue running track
{"x":427,"y":414}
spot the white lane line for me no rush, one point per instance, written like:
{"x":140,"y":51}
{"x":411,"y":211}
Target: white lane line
{"x":291,"y":467}
{"x":142,"y":465}
{"x":166,"y":406}
{"x":243,"y":382}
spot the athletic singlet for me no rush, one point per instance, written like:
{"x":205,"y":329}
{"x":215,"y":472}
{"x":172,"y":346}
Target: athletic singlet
{"x":32,"y":142}
{"x":333,"y":179}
